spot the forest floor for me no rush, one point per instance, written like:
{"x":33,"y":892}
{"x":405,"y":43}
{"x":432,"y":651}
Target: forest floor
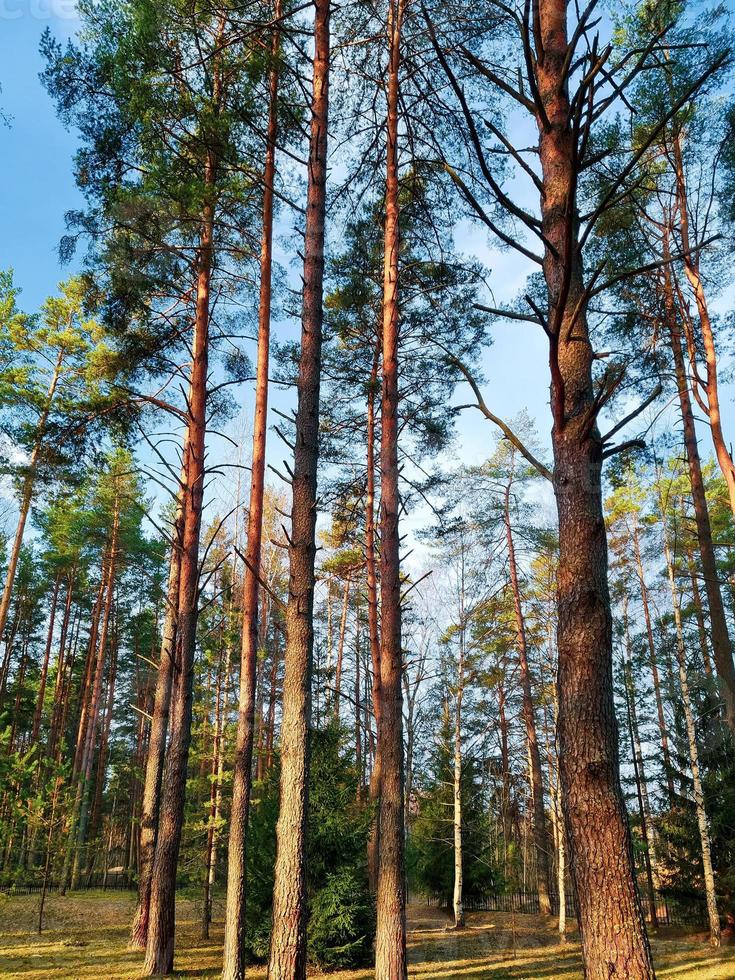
{"x":85,"y":936}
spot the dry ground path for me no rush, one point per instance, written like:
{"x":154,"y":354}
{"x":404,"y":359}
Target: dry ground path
{"x":86,"y":937}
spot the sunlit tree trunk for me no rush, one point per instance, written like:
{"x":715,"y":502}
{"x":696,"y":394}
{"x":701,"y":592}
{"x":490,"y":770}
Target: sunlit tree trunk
{"x":160,"y":945}
{"x":721,"y":648}
{"x":233,"y":967}
{"x":613,"y":933}
{"x":694,"y":277}
{"x":288,"y":936}
{"x":458,"y":905}
{"x":152,"y":780}
{"x":372,"y":611}
{"x":702,"y":820}
{"x":390,"y":938}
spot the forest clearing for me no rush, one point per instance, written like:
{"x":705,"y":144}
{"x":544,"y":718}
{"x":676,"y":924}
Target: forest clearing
{"x":367,"y":489}
{"x":87,"y":937}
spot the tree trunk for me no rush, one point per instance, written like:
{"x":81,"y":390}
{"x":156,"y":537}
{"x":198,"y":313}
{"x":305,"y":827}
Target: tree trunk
{"x":540,"y":832}
{"x":341,"y":649}
{"x":272,"y":697}
{"x":288,"y":935}
{"x":38,"y":713}
{"x":215,"y":793}
{"x":692,"y":271}
{"x":699,"y":613}
{"x":96,"y":814}
{"x":639,"y":773}
{"x":86,"y":689}
{"x":653,"y":663}
{"x":721,"y":648}
{"x":458,"y":906}
{"x":60,"y":670}
{"x":390,"y":937}
{"x":78,"y":835}
{"x":233,"y":967}
{"x":613,"y":933}
{"x":27,"y":496}
{"x":152,"y":780}
{"x":372,"y":612}
{"x":357,"y":696}
{"x":159,"y":957}
{"x":702,"y":820}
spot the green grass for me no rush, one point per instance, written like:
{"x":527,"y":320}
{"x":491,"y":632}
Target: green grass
{"x":86,"y":934}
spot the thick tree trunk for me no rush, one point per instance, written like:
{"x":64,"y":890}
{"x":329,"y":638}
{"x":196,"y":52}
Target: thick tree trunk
{"x":152,"y":780}
{"x":721,"y":648}
{"x":540,"y":831}
{"x":233,"y":967}
{"x":159,"y":957}
{"x":288,"y":935}
{"x":613,"y":933}
{"x":390,"y":937}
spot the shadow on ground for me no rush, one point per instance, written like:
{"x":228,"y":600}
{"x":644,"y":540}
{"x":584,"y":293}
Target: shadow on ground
{"x":86,"y":934}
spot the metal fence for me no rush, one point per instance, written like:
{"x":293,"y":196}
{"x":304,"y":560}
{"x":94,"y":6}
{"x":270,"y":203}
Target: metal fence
{"x":528,"y":903}
{"x":95,"y":881}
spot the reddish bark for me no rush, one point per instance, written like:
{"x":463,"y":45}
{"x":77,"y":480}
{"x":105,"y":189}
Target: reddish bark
{"x":160,"y":945}
{"x":390,"y":936}
{"x":151,"y":793}
{"x":288,"y":936}
{"x":721,"y":648}
{"x":612,"y":928}
{"x":234,"y":944}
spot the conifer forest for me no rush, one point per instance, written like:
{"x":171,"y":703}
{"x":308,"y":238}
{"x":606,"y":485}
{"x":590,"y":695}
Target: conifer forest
{"x":367,"y":490}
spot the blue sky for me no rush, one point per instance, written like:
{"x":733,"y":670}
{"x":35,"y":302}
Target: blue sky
{"x":36,"y":181}
{"x":37,"y":188}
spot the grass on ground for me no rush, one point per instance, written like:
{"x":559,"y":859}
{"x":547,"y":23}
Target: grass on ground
{"x":85,"y":937}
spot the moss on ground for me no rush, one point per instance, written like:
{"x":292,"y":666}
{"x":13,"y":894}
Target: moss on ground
{"x":86,"y":934}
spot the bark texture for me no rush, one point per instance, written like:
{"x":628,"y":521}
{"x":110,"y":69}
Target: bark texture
{"x":614,"y":940}
{"x":159,"y":958}
{"x":721,"y":648}
{"x":390,"y":938}
{"x":288,"y":936}
{"x":233,"y":967}
{"x":153,"y":777}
